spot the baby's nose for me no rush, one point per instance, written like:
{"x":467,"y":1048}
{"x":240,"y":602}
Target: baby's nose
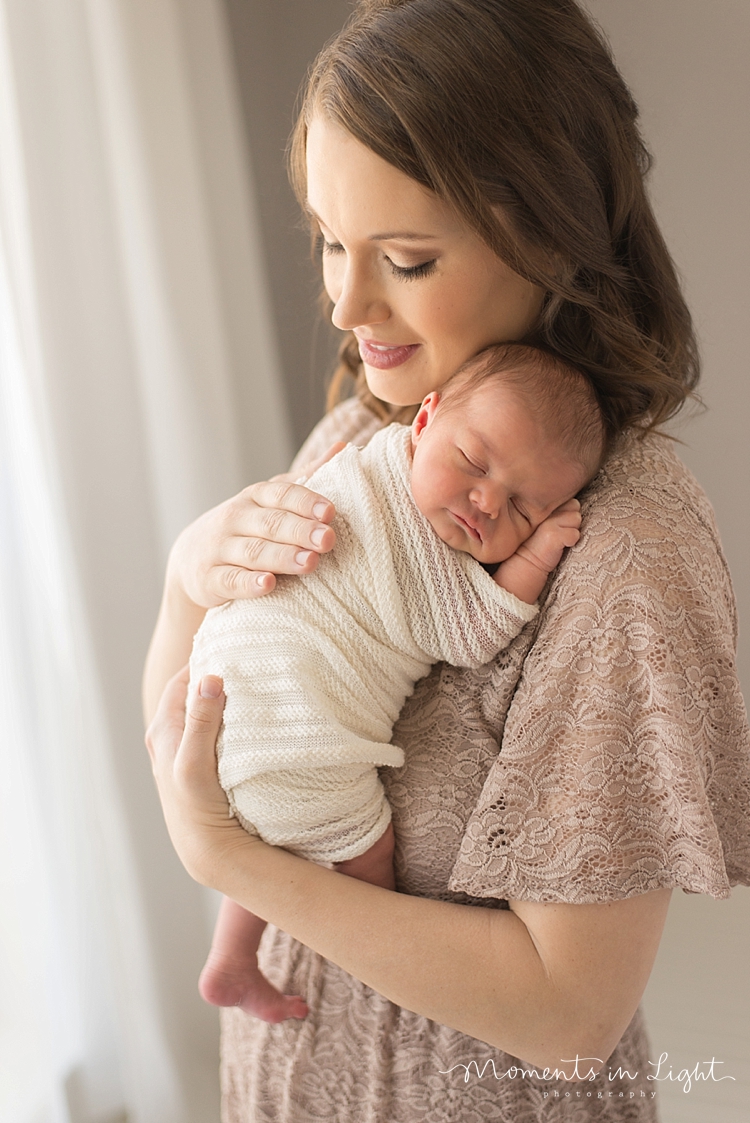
{"x":487,"y":499}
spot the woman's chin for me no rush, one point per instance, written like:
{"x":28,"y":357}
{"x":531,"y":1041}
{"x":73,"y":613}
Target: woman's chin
{"x":398,"y":387}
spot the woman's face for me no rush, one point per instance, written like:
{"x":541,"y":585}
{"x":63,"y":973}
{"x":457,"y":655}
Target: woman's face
{"x":420,"y":290}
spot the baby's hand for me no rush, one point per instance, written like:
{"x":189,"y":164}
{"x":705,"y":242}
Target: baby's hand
{"x":525,"y":573}
{"x":558,"y":531}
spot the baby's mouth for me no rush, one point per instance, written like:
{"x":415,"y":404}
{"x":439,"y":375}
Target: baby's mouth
{"x":469,"y":527}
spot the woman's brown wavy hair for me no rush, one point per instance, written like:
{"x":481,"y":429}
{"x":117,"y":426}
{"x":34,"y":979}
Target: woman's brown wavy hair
{"x":513,"y":113}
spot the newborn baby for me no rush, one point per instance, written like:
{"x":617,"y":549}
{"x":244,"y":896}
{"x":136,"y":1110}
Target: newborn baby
{"x":316,"y":673}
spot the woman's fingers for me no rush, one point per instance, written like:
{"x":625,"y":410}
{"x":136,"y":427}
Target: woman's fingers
{"x":278,"y":528}
{"x":182,"y":746}
{"x":258,"y":562}
{"x":231,"y":582}
{"x":234,"y":550}
{"x":182,"y":736}
{"x":280,"y":495}
{"x":196,"y":756}
{"x":165,"y":732}
{"x":283,"y":527}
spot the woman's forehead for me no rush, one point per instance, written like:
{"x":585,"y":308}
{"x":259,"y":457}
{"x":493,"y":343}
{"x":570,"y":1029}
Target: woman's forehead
{"x":349,"y":185}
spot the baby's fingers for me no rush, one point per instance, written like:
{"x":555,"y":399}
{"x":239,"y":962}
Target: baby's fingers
{"x":569,"y":535}
{"x":566,"y":519}
{"x":566,"y":515}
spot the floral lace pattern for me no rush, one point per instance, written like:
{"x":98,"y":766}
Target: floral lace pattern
{"x":624,"y":768}
{"x":624,"y":763}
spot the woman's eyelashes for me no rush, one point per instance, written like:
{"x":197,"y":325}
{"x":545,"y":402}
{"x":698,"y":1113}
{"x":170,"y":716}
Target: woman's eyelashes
{"x":412,"y":272}
{"x":403,"y":272}
{"x":329,"y":248}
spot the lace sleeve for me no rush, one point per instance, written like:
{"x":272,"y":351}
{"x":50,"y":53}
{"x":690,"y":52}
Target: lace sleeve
{"x":349,"y":421}
{"x":624,"y":764}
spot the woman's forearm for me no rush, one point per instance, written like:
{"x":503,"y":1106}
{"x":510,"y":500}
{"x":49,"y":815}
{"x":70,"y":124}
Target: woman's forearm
{"x":178,"y":621}
{"x":543,"y":982}
{"x":564,"y":980}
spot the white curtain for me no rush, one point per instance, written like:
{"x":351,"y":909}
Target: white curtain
{"x":139,"y":384}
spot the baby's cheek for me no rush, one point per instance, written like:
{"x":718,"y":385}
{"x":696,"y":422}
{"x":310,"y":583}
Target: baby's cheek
{"x":422,"y":492}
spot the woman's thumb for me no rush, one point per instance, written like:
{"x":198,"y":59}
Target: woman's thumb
{"x":205,"y":708}
{"x":210,"y":687}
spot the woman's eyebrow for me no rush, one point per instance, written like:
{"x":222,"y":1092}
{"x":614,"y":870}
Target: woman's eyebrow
{"x":401,"y":236}
{"x":390,"y":236}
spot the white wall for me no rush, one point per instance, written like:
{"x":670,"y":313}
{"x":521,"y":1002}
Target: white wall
{"x":688,"y":64}
{"x":274,"y":41}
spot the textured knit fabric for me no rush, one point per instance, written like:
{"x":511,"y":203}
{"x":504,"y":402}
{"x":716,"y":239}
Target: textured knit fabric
{"x":316,"y":673}
{"x":603,"y":754}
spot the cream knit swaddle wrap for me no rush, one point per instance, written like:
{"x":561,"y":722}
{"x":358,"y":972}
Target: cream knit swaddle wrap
{"x":316,"y":672}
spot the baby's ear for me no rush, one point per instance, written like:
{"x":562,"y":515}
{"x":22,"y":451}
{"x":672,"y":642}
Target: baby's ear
{"x":424,"y":416}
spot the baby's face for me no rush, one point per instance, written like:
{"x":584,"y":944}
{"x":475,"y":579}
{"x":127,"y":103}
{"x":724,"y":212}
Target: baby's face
{"x":484,"y":473}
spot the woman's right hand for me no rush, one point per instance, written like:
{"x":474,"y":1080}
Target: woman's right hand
{"x":234,"y":550}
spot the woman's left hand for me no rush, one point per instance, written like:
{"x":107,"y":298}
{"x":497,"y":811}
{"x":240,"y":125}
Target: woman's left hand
{"x":539,"y":981}
{"x":182,"y":747}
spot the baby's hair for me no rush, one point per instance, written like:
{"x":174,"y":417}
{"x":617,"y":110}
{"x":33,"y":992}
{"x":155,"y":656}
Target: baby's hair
{"x":559,"y":396}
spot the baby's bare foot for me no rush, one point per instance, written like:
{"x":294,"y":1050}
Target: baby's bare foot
{"x":229,"y":982}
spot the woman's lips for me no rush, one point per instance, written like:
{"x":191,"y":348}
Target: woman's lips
{"x":382,"y":356}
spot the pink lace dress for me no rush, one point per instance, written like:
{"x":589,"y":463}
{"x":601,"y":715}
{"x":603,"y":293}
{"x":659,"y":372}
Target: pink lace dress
{"x":604,"y":754}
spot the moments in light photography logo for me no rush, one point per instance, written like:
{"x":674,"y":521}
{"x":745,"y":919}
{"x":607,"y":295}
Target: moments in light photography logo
{"x":590,"y":1069}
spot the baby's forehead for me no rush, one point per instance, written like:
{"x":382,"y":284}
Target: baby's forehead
{"x":489,"y":407}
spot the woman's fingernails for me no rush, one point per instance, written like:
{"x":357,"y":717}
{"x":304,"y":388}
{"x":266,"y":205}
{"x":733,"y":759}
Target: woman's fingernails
{"x":303,"y":556}
{"x":210,"y":686}
{"x":317,"y":535}
{"x":262,"y":579}
{"x":319,"y":510}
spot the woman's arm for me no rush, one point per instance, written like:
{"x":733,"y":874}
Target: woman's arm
{"x":544,"y":982}
{"x":231,"y":552}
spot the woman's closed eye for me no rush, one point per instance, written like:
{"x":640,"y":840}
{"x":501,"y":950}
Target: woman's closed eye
{"x":329,"y":248}
{"x":403,"y":272}
{"x":412,"y":272}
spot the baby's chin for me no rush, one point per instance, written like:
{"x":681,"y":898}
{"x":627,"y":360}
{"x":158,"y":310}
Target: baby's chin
{"x":484,"y":556}
{"x":459,"y":539}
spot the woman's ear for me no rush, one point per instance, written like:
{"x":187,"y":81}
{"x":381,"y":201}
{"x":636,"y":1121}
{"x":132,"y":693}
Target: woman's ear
{"x":424,"y":417}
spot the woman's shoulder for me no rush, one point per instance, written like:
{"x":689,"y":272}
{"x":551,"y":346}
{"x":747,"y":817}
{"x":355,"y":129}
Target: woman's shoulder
{"x":643,"y":479}
{"x":625,"y":762}
{"x":647,"y":520}
{"x":349,"y":421}
{"x":645,"y":476}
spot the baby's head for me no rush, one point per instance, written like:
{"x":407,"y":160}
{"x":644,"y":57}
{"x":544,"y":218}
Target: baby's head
{"x":510,"y":437}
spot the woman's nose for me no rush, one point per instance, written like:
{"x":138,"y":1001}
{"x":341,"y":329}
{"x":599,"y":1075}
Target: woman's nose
{"x":358,"y":302}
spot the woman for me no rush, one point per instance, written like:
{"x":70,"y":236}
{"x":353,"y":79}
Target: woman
{"x":474,"y":171}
